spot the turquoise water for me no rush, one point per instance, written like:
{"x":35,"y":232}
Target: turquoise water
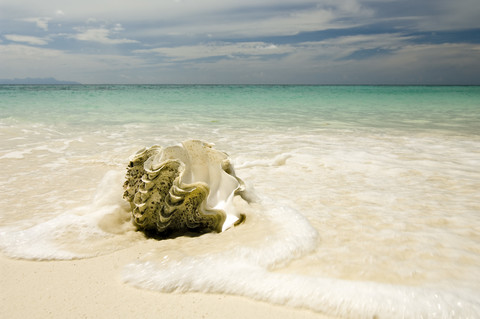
{"x":369,"y":202}
{"x":309,"y":107}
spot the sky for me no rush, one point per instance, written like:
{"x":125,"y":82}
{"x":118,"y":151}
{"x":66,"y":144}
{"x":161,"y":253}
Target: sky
{"x":242,"y":42}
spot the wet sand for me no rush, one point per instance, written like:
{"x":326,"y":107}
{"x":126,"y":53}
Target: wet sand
{"x":92,"y":288}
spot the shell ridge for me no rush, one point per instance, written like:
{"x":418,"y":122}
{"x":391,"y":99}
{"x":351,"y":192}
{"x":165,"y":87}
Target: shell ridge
{"x":183,"y":187}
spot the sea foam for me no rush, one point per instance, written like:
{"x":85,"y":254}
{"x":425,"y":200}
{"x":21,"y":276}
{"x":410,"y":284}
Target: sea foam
{"x":255,"y":271}
{"x":84,"y":231}
{"x":368,"y":197}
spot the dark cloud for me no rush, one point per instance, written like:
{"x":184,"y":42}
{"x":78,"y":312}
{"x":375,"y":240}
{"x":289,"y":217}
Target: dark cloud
{"x":367,"y":54}
{"x":439,"y":37}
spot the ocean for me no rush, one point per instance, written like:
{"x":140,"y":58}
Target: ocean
{"x":367,"y":198}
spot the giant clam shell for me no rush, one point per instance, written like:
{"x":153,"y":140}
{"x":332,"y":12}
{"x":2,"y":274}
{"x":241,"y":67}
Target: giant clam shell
{"x":187,"y":187}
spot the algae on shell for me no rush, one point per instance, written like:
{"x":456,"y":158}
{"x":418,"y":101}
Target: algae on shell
{"x":187,"y":187}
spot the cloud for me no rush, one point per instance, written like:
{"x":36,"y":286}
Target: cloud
{"x":41,"y":23}
{"x":429,"y":15}
{"x":254,"y":20}
{"x":23,"y":54}
{"x":102,"y":35}
{"x":27,"y":39}
{"x":309,"y":41}
{"x":331,"y":49}
{"x":27,"y":61}
{"x":421,"y":64}
{"x":216,"y":49}
{"x":348,"y":60}
{"x":225,"y":18}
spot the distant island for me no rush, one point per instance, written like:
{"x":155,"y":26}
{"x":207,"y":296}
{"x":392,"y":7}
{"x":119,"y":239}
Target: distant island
{"x":36,"y":81}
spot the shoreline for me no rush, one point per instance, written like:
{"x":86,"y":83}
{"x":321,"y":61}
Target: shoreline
{"x":92,"y":288}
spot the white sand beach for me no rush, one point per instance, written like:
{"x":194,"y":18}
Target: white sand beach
{"x":365,"y":203}
{"x":92,"y":288}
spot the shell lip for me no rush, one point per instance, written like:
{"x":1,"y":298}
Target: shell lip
{"x":187,"y":202}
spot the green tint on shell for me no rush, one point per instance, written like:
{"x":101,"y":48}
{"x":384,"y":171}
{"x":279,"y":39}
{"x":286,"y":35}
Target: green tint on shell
{"x":187,"y":187}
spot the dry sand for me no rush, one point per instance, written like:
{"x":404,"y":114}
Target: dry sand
{"x":92,"y":288}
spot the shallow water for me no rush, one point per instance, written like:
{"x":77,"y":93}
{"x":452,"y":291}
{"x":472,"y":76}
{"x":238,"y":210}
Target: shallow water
{"x":368,"y":201}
